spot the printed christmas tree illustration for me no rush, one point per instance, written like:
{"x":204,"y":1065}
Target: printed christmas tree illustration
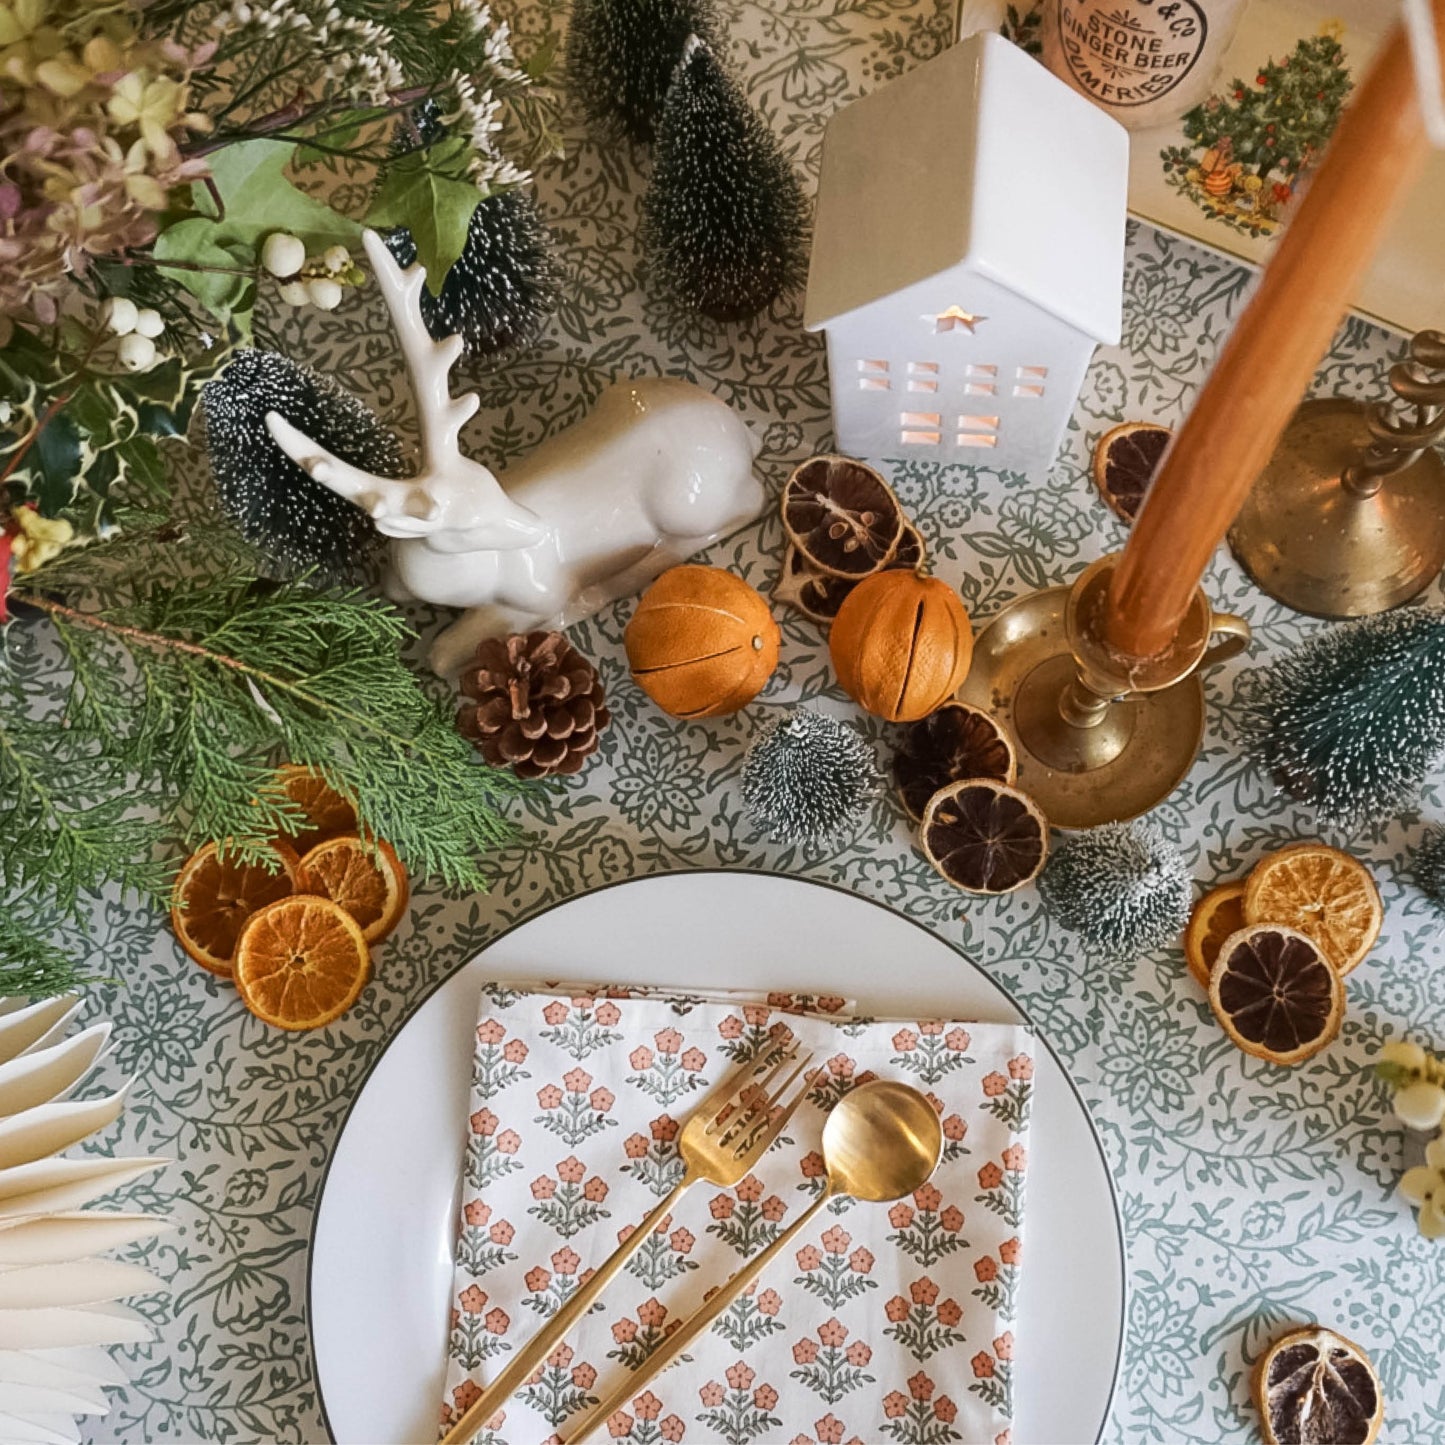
{"x":1248,"y":144}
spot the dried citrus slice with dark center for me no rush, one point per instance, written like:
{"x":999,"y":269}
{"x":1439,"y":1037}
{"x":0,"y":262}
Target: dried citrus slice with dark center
{"x":984,"y":837}
{"x":818,"y":595}
{"x":1125,"y":461}
{"x":301,"y":962}
{"x":842,"y":516}
{"x":1275,"y":994}
{"x":954,"y":743}
{"x":327,"y":812}
{"x":214,"y":896}
{"x":1315,"y":1387}
{"x":1217,"y":915}
{"x":370,"y":884}
{"x":1322,"y":892}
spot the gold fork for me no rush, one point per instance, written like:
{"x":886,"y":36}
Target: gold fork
{"x":725,"y":1137}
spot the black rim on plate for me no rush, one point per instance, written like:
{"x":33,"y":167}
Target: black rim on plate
{"x":456,"y":968}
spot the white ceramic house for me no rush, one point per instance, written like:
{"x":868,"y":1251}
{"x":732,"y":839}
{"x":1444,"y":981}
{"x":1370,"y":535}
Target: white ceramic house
{"x":968,"y":256}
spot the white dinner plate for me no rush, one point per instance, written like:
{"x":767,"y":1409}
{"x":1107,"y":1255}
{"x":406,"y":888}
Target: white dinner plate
{"x":381,"y":1247}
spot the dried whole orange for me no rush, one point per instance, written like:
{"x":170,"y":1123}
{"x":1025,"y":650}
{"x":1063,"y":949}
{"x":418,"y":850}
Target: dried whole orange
{"x":327,"y":812}
{"x":301,"y":962}
{"x":954,"y":743}
{"x":214,"y":896}
{"x":1315,"y":1387}
{"x":1324,"y":893}
{"x":818,"y":595}
{"x":1217,"y":915}
{"x":369,"y":883}
{"x":984,"y":837}
{"x":901,"y":644}
{"x":841,"y":516}
{"x":1125,"y":461}
{"x":701,"y":642}
{"x":1275,"y":994}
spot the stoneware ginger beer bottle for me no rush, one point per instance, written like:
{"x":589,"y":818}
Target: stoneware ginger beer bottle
{"x":1144,"y":61}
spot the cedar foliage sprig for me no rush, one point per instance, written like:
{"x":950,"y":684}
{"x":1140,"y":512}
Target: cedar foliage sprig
{"x":180,"y":700}
{"x":30,"y":967}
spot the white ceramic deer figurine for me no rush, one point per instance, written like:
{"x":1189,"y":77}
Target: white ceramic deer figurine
{"x":658,"y":470}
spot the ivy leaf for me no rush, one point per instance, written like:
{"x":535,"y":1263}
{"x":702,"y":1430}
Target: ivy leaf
{"x":258,"y":199}
{"x":196,"y":240}
{"x":428,"y":191}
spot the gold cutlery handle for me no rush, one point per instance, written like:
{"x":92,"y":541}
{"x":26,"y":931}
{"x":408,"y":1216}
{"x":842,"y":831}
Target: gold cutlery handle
{"x":697,"y":1324}
{"x":536,"y":1350}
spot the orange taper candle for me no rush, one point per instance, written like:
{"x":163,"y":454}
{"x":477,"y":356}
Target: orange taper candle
{"x":1266,"y":365}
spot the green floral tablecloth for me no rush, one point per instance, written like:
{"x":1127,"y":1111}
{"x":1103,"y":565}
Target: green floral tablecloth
{"x":1250,"y":1196}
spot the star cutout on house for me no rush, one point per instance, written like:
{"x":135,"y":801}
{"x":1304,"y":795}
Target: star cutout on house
{"x":955,"y":318}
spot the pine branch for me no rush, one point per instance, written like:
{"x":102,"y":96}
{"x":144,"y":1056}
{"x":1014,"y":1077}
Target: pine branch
{"x":30,"y":967}
{"x":180,"y":702}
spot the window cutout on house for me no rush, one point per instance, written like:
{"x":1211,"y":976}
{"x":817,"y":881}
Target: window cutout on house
{"x":874,"y":383}
{"x":918,"y":383}
{"x":1032,"y":371}
{"x":978,"y":423}
{"x":972,"y":370}
{"x":976,"y":439}
{"x":923,"y":368}
{"x":920,"y":418}
{"x":979,"y":388}
{"x":876,"y":367}
{"x":921,"y":438}
{"x":1029,"y":391}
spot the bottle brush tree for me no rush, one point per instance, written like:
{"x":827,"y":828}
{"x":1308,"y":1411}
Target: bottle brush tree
{"x":621,"y":55}
{"x":724,"y":220}
{"x":1352,"y":720}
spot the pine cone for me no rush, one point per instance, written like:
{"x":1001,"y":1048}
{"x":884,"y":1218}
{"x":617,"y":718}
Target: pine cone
{"x":539,"y":704}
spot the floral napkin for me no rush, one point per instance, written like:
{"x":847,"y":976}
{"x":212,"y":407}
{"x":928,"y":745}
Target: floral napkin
{"x":885,"y":1323}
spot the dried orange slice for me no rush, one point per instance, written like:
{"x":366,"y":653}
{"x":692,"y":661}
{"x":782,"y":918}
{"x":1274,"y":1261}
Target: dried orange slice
{"x":1275,"y":994}
{"x":214,"y":896}
{"x":1218,"y":914}
{"x":1125,"y":461}
{"x":1322,"y":892}
{"x":327,"y":812}
{"x":841,"y":516}
{"x":1314,"y":1385}
{"x":955,"y":742}
{"x":371,"y":885}
{"x":301,"y":962}
{"x":984,"y":837}
{"x":819,"y":596}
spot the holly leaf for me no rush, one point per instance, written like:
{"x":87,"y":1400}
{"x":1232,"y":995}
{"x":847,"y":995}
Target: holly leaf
{"x":55,"y":454}
{"x":197,"y":242}
{"x":258,"y":199}
{"x":429,"y":192}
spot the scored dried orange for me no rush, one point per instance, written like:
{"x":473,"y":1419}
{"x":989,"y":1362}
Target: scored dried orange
{"x":1218,"y":914}
{"x":1276,"y":994}
{"x":1324,"y":893}
{"x":327,"y":812}
{"x":301,"y":962}
{"x":214,"y":896}
{"x":1316,"y":1385}
{"x":370,"y":884}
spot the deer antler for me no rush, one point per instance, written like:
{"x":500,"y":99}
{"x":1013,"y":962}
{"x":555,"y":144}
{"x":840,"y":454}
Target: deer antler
{"x":454,"y":501}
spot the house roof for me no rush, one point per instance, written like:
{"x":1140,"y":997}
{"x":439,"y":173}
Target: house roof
{"x":980,"y":157}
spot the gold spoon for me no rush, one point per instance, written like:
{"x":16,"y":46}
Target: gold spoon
{"x":881,"y":1142}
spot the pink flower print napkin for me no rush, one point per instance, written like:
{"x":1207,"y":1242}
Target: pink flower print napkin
{"x":883,"y":1323}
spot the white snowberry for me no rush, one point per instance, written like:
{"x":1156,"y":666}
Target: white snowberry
{"x":324,"y":293}
{"x":293,"y":293}
{"x":137,"y":352}
{"x":149,"y":323}
{"x":283,"y":254}
{"x":337,"y":258}
{"x":120,"y":315}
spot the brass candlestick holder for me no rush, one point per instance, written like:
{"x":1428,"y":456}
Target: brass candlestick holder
{"x":1348,"y":518}
{"x":1097,"y":742}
